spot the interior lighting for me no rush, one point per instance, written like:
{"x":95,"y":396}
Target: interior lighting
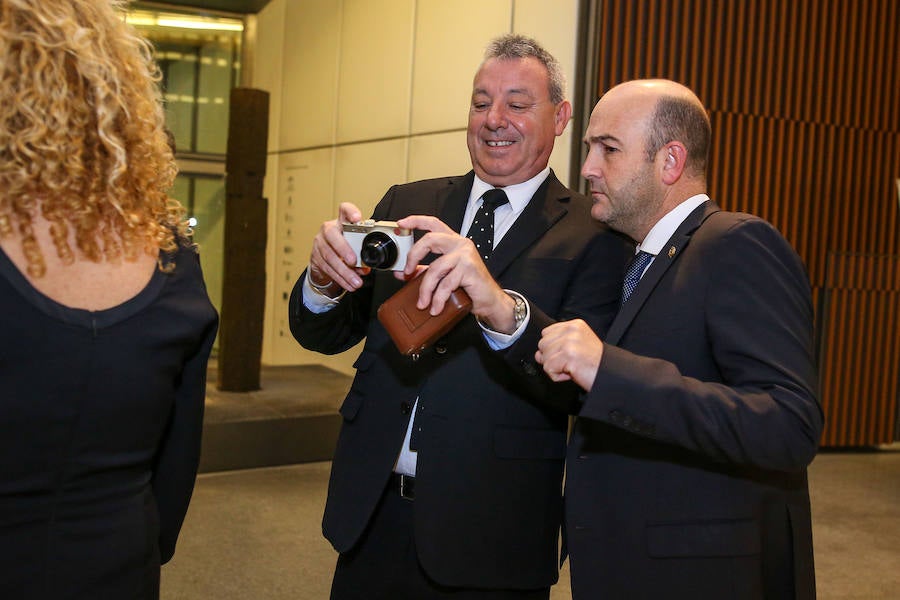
{"x":150,"y":19}
{"x":199,"y":24}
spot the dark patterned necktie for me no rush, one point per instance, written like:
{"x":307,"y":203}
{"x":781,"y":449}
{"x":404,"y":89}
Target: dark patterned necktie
{"x":634,"y":272}
{"x":482,"y":230}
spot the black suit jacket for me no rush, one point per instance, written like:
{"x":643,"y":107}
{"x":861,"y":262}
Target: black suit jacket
{"x":490,"y":454}
{"x":686,"y":473}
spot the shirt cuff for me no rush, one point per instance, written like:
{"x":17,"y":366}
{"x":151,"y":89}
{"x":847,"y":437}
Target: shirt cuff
{"x":314,"y":301}
{"x":502,"y":341}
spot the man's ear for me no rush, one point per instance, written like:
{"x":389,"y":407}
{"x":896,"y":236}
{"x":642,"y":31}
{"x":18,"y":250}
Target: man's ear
{"x":674,"y":161}
{"x":563,"y":114}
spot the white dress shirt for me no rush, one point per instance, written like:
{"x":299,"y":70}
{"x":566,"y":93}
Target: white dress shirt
{"x":665,"y":227}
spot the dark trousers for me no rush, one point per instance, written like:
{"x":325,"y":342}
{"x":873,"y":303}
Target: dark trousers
{"x":384,"y":565}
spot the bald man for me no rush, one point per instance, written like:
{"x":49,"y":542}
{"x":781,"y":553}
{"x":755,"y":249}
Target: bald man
{"x":686,"y":471}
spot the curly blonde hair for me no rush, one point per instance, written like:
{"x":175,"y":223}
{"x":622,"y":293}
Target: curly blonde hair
{"x":82,"y":135}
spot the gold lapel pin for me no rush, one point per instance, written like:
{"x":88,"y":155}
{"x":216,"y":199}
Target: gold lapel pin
{"x":672,"y":251}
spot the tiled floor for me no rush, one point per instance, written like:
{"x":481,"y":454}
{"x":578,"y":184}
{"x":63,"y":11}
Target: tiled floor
{"x":255,"y":534}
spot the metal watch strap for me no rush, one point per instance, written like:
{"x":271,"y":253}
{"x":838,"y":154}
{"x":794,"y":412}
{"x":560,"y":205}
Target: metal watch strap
{"x":520,"y":311}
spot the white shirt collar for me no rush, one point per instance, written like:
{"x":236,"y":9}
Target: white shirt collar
{"x":518,"y":194}
{"x":665,"y":227}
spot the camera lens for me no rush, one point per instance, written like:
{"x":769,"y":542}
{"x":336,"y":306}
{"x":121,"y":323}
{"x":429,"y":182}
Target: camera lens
{"x":378,"y":251}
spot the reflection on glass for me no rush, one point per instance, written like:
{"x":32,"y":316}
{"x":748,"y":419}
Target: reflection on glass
{"x":199,"y":57}
{"x":200,"y":62}
{"x":204,"y":199}
{"x":209,"y":209}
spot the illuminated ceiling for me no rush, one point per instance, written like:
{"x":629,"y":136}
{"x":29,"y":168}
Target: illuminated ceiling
{"x":233,"y":6}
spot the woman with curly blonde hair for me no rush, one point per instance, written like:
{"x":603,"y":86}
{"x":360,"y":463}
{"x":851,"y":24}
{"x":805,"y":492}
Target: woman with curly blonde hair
{"x":107,"y":326}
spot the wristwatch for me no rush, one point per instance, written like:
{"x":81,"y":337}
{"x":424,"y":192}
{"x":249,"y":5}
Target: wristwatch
{"x":327,"y":289}
{"x":521,"y":309}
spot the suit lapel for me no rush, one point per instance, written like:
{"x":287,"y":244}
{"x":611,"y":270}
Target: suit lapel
{"x":671,"y":251}
{"x":545,"y":208}
{"x":451,"y":202}
{"x":448,"y":204}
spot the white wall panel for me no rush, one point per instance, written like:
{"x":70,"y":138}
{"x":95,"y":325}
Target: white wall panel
{"x":312,"y":34}
{"x":364,"y":172}
{"x":375,"y":72}
{"x":450,"y":42}
{"x":562,"y":156}
{"x":270,"y":193}
{"x":554,"y":25}
{"x":438,"y":155}
{"x":268,"y":64}
{"x":304,"y":183}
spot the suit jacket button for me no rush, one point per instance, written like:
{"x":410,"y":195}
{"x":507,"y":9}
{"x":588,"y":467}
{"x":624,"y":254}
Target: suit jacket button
{"x":404,"y":408}
{"x":440,"y":348}
{"x":529,"y":368}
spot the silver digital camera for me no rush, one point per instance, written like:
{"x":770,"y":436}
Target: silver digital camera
{"x":379,"y":244}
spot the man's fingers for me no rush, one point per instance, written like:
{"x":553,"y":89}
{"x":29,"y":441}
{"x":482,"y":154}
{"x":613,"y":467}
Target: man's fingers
{"x":429,"y":295}
{"x":437,"y":243}
{"x":333,"y":236}
{"x":424,"y":223}
{"x":325,"y":259}
{"x":349,"y":213}
{"x":322,"y":265}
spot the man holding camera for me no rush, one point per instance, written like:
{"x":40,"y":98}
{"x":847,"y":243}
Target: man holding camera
{"x":446,"y":479}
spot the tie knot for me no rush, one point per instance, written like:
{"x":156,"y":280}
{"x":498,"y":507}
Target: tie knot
{"x":493,"y":198}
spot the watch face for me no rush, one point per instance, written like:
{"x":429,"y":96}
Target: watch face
{"x":520,"y":310}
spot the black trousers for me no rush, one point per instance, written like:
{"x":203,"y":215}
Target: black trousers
{"x":384,"y":564}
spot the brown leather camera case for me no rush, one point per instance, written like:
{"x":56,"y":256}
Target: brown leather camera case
{"x":413,"y":329}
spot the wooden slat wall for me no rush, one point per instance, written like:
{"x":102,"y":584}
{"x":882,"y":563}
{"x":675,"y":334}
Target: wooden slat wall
{"x":861,"y":348}
{"x":804,"y":98}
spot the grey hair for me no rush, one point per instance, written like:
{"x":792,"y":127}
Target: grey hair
{"x":512,"y":46}
{"x":677,"y":118}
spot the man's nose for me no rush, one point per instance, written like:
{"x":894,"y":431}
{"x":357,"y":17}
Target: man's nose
{"x":587,"y":169}
{"x":496,"y":117}
{"x":592,"y":169}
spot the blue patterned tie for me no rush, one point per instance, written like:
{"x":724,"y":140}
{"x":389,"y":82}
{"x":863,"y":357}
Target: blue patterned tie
{"x":634,"y":272}
{"x":482,"y":229}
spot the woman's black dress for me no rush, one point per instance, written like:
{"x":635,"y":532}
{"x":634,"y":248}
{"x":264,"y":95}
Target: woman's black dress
{"x":100,"y":421}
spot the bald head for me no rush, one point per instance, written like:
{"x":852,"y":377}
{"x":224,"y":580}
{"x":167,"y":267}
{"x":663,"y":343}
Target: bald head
{"x":648,"y":142}
{"x":654,"y":88}
{"x":670,"y":111}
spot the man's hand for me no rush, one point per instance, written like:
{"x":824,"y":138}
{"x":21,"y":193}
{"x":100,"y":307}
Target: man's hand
{"x":332,"y":260}
{"x":570,"y":350}
{"x":458,"y":266}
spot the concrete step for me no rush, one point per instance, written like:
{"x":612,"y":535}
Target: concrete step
{"x":292,"y":419}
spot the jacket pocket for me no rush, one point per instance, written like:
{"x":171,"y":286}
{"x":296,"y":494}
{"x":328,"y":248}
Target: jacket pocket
{"x":545,"y":444}
{"x":351,"y":406}
{"x":737,"y":537}
{"x":354,"y":400}
{"x":365,"y":360}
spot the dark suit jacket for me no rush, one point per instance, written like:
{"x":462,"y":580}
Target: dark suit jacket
{"x":686,"y":472}
{"x":490,"y":455}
